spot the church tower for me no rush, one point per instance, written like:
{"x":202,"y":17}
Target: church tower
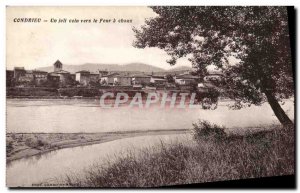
{"x":57,"y":66}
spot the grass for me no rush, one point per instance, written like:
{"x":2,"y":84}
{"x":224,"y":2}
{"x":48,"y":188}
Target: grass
{"x":214,"y":157}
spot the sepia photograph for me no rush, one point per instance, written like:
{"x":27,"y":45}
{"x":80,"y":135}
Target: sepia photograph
{"x":149,"y":96}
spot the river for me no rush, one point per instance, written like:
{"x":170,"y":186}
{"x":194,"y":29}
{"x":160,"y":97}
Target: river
{"x":55,"y":165}
{"x":82,"y":115}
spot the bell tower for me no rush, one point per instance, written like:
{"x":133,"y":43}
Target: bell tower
{"x":57,"y":66}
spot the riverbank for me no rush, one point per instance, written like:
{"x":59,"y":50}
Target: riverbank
{"x":215,"y":156}
{"x":22,"y":145}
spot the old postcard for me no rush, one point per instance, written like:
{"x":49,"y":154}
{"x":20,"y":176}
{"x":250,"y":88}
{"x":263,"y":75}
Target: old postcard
{"x":148,"y":96}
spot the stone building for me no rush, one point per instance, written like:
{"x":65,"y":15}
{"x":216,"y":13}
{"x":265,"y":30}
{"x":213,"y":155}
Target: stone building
{"x":122,"y":80}
{"x":186,"y":79}
{"x":158,"y":80}
{"x":109,"y":79}
{"x":19,"y":72}
{"x":83,"y":77}
{"x":141,"y":79}
{"x":39,"y":77}
{"x":65,"y":77}
{"x":94,"y":77}
{"x":10,"y":78}
{"x":102,"y":73}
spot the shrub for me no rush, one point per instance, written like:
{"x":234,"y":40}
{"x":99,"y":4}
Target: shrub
{"x":35,"y":143}
{"x":204,"y":130}
{"x":9,"y":147}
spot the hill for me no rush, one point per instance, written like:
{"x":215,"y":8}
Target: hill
{"x":131,"y":67}
{"x":181,"y":68}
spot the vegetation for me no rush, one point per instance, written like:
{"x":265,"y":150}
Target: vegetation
{"x":170,"y":78}
{"x":255,"y":38}
{"x":213,"y":157}
{"x":85,"y":92}
{"x":31,"y":91}
{"x":210,"y":93}
{"x":35,"y":143}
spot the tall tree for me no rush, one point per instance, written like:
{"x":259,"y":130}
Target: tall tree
{"x":256,"y":37}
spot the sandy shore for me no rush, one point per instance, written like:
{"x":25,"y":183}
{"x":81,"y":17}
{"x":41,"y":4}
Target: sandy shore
{"x":21,"y":145}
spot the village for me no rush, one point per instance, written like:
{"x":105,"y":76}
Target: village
{"x":59,"y":83}
{"x":61,"y":79}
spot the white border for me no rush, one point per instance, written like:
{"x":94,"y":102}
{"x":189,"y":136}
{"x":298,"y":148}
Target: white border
{"x":4,"y":3}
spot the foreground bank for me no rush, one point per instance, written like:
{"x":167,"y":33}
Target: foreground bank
{"x":21,"y":145}
{"x":215,"y":156}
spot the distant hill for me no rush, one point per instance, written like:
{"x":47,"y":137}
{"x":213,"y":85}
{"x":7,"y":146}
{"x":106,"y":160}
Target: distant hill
{"x":131,"y":67}
{"x":181,"y":68}
{"x":92,"y":67}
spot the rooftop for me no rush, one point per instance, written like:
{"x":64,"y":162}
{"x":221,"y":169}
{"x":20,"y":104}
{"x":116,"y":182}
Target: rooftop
{"x":19,"y":68}
{"x":187,"y":76}
{"x":112,"y":74}
{"x":156,"y":76}
{"x":83,"y":72}
{"x":60,"y":72}
{"x":57,"y":62}
{"x":39,"y":71}
{"x":141,"y":76}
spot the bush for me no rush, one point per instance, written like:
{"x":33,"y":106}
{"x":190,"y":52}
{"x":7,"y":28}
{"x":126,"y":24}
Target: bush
{"x":35,"y":143}
{"x":204,"y":130}
{"x":9,"y":147}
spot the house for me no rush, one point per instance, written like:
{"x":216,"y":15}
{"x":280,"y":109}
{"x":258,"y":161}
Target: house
{"x":206,"y":86}
{"x":83,"y":77}
{"x":64,"y":76}
{"x":108,"y":79}
{"x":39,"y":76}
{"x":186,"y":79}
{"x":159,"y":80}
{"x":73,"y":77}
{"x":94,"y":77}
{"x":19,"y":72}
{"x":27,"y":77}
{"x":53,"y":80}
{"x":122,"y":80}
{"x":141,"y":79}
{"x":102,"y":73}
{"x":35,"y":77}
{"x":9,"y":77}
{"x":104,"y":80}
{"x":213,"y":77}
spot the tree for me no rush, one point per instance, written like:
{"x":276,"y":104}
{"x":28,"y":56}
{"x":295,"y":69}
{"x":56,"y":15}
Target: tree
{"x":103,"y":82}
{"x":170,"y":78}
{"x":94,"y":84}
{"x":256,"y":38}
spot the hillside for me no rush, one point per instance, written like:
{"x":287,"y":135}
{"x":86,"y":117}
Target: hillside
{"x":131,"y":67}
{"x":180,"y":68}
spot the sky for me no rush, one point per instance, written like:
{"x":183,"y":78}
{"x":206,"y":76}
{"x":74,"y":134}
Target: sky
{"x":35,"y":45}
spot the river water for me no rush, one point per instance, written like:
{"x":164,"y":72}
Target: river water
{"x":51,"y":167}
{"x":69,"y":116}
